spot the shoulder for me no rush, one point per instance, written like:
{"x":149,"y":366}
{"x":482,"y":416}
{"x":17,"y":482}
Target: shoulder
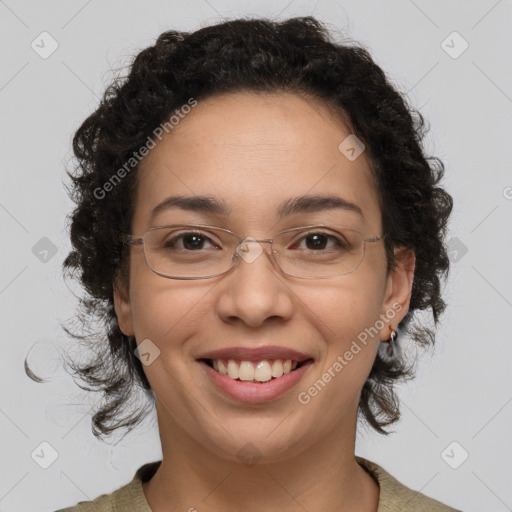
{"x":103,"y":503}
{"x":129,"y":498}
{"x":396,"y":496}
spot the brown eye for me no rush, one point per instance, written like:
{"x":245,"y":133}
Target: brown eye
{"x":319,"y":242}
{"x":187,"y":241}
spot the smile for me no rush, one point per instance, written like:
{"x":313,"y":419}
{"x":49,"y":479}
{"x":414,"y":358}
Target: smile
{"x":255,"y":381}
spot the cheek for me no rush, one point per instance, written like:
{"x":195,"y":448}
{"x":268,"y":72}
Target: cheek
{"x":170,"y":314}
{"x":344,"y":316}
{"x":167,"y":311}
{"x":332,"y":392}
{"x":342,"y":309}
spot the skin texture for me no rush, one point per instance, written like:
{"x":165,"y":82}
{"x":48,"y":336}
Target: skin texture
{"x":254,"y":151}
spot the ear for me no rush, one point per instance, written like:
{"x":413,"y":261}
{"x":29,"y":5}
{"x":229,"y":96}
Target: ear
{"x":398,"y":290}
{"x":123,"y":308}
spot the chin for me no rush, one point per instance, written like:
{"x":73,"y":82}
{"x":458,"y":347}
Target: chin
{"x":258,"y":443}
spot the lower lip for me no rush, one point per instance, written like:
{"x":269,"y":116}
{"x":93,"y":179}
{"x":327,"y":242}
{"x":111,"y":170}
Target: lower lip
{"x":252,"y":392}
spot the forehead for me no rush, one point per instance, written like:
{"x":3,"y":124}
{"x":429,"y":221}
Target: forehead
{"x":253,"y":152}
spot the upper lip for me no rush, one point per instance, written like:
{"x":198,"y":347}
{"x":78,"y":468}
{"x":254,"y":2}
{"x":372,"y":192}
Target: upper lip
{"x":256,"y":353}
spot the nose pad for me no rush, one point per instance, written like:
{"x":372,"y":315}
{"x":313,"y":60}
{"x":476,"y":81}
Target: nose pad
{"x":249,"y":249}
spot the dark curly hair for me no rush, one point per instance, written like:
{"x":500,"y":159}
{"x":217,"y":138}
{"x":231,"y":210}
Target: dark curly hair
{"x":296,"y":55}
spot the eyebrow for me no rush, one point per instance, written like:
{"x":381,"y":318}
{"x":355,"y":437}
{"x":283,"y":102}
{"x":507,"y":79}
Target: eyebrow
{"x":301,"y":204}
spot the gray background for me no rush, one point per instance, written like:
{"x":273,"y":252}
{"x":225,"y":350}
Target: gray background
{"x":462,"y":393}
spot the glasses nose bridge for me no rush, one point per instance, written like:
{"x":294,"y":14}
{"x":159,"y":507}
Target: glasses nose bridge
{"x":244,"y":252}
{"x":243,"y":243}
{"x":251,"y":239}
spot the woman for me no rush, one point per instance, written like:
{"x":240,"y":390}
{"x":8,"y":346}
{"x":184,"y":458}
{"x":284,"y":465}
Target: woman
{"x":256,"y":225}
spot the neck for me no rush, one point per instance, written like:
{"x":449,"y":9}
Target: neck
{"x":322,"y":477}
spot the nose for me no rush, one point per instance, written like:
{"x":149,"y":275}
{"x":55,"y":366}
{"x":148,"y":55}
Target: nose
{"x":254,"y":291}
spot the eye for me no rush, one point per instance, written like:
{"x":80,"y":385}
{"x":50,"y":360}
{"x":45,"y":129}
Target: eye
{"x":189,"y":241}
{"x":317,"y":241}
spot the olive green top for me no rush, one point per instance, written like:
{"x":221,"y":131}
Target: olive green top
{"x":394,"y":496}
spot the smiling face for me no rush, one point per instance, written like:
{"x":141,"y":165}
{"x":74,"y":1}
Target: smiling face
{"x":254,"y":153}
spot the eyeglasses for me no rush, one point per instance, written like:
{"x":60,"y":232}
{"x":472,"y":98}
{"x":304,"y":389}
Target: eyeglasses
{"x":195,"y":251}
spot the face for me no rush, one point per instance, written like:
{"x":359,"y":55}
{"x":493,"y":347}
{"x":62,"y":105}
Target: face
{"x":253,"y":152}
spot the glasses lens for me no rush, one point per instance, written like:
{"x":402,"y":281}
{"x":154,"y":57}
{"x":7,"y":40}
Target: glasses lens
{"x":319,"y":252}
{"x":189,"y":251}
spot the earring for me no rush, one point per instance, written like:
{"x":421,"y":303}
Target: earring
{"x":391,"y":341}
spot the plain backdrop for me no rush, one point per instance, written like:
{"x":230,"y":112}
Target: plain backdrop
{"x":452,"y":58}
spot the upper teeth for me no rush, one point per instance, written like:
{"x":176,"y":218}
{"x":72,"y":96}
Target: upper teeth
{"x":261,"y":371}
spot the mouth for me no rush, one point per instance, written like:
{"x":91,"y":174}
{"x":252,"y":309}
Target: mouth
{"x":258,"y":372}
{"x":254,"y":381}
{"x":255,"y":374}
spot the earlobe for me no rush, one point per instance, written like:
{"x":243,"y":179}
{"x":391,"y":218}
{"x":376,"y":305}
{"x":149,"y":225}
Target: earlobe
{"x":399,"y":289}
{"x":123,"y":310}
